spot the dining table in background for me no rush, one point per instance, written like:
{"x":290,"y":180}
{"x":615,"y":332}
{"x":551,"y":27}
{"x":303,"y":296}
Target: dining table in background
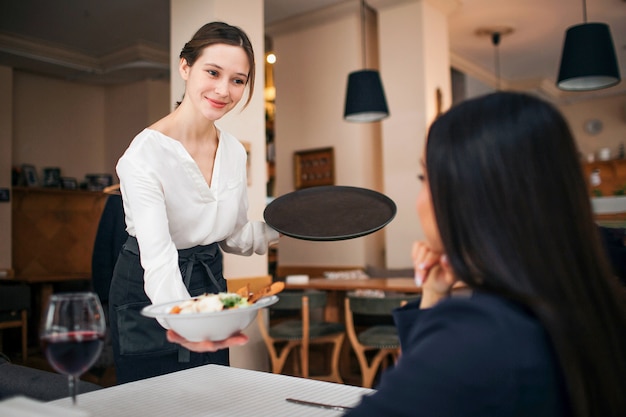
{"x":215,"y":390}
{"x":337,"y":288}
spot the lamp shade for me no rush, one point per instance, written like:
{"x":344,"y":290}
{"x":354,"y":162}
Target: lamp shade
{"x":588,"y":61}
{"x":365,"y":98}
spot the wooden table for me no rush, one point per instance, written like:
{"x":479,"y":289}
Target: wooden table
{"x":337,"y":288}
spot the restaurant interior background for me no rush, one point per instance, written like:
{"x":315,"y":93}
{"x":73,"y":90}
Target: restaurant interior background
{"x":81,"y":119}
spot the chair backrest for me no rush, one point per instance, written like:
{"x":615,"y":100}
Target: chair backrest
{"x":295,"y":327}
{"x":14,"y":297}
{"x":255,"y":282}
{"x":292,"y":300}
{"x":378,"y":306}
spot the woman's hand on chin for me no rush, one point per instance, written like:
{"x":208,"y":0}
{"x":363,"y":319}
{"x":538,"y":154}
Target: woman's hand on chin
{"x":207,"y":346}
{"x":433,"y":273}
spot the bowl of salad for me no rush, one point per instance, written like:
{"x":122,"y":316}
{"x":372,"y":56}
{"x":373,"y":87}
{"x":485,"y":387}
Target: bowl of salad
{"x":210,"y":316}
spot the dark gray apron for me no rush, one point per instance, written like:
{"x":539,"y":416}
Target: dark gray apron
{"x":140,"y":346}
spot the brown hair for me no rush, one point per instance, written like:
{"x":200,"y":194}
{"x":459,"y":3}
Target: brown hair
{"x":216,"y":33}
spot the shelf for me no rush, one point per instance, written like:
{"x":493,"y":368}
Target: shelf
{"x":606,"y":178}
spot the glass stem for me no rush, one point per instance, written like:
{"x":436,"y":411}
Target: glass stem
{"x":73,"y":385}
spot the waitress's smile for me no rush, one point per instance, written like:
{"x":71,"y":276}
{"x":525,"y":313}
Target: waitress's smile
{"x":216,"y":103}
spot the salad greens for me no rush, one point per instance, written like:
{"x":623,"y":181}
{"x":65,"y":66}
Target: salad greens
{"x":232,"y":300}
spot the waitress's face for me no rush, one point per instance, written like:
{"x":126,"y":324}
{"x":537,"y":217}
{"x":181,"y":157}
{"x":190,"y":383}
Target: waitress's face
{"x":426,"y":214}
{"x":217,"y":80}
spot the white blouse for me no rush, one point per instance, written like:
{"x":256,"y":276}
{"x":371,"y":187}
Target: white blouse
{"x":168,"y":206}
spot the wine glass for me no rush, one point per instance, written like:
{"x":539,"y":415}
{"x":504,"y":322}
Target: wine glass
{"x":72,"y":334}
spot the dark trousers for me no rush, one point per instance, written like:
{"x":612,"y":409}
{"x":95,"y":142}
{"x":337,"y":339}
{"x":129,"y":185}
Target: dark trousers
{"x":140,"y":347}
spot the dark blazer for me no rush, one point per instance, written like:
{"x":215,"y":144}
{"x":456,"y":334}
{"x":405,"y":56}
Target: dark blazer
{"x":110,"y":237}
{"x":475,"y":355}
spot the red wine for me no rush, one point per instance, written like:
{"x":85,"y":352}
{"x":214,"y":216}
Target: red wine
{"x":72,"y":353}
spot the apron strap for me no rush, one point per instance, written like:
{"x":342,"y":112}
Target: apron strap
{"x":187,"y":258}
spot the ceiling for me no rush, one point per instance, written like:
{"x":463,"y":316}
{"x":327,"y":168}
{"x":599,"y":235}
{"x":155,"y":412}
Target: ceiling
{"x":117,"y":41}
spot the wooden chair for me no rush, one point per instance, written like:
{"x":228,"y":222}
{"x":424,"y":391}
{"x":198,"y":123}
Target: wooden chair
{"x":284,"y":337}
{"x":375,"y":344}
{"x":14,"y":308}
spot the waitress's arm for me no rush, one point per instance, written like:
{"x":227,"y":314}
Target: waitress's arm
{"x":147,"y":221}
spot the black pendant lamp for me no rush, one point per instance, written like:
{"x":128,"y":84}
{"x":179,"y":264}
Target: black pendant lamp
{"x":365,"y":97}
{"x":588,"y":61}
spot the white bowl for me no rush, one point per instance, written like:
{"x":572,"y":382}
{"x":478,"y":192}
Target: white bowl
{"x":214,"y":326}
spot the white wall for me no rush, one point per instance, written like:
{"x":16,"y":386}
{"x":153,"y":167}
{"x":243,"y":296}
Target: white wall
{"x":83,"y":128}
{"x":611,"y":111}
{"x":129,"y":109}
{"x":66,"y":129}
{"x":414,"y":64}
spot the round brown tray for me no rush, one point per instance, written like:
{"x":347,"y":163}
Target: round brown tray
{"x":330,"y":213}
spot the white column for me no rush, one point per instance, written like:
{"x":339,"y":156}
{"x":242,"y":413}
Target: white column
{"x":414,"y":65}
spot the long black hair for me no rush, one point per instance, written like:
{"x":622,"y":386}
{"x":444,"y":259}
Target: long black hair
{"x":515,"y":219}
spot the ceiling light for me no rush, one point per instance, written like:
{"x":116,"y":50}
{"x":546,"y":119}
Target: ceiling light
{"x":588,"y":61}
{"x":365,"y":97}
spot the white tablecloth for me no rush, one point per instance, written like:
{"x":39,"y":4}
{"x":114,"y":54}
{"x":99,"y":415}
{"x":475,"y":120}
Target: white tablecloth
{"x":214,"y":390}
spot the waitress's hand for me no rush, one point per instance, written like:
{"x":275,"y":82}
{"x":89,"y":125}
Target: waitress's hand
{"x":433,"y":273}
{"x":207,"y":346}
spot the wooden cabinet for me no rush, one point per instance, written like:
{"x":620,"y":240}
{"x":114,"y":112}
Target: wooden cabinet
{"x":54,"y":232}
{"x":606,"y":178}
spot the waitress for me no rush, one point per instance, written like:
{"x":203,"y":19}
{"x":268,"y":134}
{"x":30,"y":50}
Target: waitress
{"x":183,"y":183}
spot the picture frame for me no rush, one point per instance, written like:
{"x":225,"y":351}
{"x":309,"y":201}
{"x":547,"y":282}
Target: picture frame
{"x":69,"y":183}
{"x":29,"y":175}
{"x":98,"y":182}
{"x":314,"y":167}
{"x":52,"y":177}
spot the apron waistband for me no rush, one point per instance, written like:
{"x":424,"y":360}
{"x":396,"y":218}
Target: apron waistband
{"x":187,"y":258}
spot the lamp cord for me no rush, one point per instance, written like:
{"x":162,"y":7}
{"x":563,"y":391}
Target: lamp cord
{"x":363,"y":34}
{"x":585,"y":11}
{"x":495,"y":39}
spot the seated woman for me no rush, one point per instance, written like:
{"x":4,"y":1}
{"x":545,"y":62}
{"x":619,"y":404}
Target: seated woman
{"x":505,"y":212}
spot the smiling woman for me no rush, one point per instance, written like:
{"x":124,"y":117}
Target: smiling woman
{"x":181,"y":219}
